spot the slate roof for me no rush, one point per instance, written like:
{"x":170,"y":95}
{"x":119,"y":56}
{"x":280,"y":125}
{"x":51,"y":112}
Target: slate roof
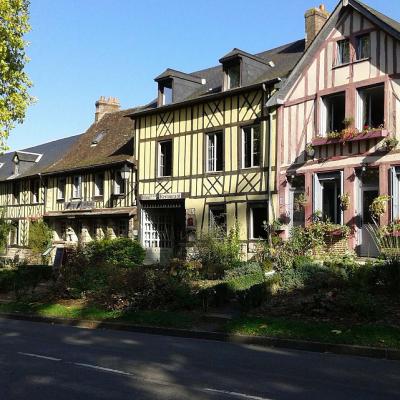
{"x":283,"y":57}
{"x":50,"y":152}
{"x":114,"y":136}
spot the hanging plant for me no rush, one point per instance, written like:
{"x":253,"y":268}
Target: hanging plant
{"x":344,"y":201}
{"x":390,"y":143}
{"x":348,"y":122}
{"x":378,"y":205}
{"x":300,"y":202}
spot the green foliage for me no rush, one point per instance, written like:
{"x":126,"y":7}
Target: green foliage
{"x":23,"y":279}
{"x":40,"y":236}
{"x":122,"y":252}
{"x":14,"y":83}
{"x":378,"y":205}
{"x":4,"y":230}
{"x":218,"y":251}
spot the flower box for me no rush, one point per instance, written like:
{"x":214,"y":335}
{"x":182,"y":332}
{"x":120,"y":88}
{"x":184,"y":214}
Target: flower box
{"x":373,"y":134}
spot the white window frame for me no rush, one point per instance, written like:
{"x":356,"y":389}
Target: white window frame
{"x":61,"y":193}
{"x":161,"y":157}
{"x":318,"y":188}
{"x":360,"y":104}
{"x":97,"y":191}
{"x":395,"y":193}
{"x":119,"y":188}
{"x":212,"y":151}
{"x":253,"y":153}
{"x":77,"y":189}
{"x":252,"y":207}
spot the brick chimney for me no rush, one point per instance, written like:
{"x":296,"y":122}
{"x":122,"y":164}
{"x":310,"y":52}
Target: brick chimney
{"x":315,"y":19}
{"x":104,"y":106}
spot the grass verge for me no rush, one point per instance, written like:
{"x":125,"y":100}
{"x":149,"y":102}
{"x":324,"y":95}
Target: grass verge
{"x":165,"y":319}
{"x":363,"y":335}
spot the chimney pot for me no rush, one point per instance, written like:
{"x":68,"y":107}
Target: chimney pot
{"x":315,"y":19}
{"x":104,"y":106}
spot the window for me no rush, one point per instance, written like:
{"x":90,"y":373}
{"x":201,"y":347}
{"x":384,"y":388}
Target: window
{"x":251,"y":146}
{"x":77,"y":187}
{"x":166,"y":94}
{"x":35,"y":189}
{"x":99,"y":184}
{"x":15,"y":192}
{"x":332,"y":113}
{"x":217,"y":219}
{"x":122,"y":228}
{"x":233,"y":76}
{"x":215,"y":154}
{"x":165,"y":158}
{"x":370,"y":110}
{"x":343,"y":52}
{"x":327,"y":191}
{"x":61,"y":188}
{"x":363,"y":47}
{"x":297,"y":199}
{"x":14,"y":233}
{"x":119,"y":183}
{"x":258,"y":216}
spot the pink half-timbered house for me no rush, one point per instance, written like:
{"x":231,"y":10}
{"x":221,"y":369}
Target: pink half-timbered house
{"x":338,"y":119}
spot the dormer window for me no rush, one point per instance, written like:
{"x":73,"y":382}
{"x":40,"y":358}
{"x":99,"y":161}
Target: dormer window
{"x":165,"y":93}
{"x":233,"y":76}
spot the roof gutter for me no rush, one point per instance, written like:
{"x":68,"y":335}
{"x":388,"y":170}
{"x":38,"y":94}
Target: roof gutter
{"x":202,"y":99}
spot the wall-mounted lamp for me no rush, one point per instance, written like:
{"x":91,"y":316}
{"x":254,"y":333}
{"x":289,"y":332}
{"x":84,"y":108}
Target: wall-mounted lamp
{"x":125,"y":172}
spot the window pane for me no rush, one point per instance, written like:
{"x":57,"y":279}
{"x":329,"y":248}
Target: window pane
{"x":218,"y":217}
{"x":247,"y":147}
{"x":363,"y":47}
{"x":258,"y":215}
{"x":343,"y":52}
{"x":220,"y":152}
{"x":335,"y":112}
{"x":165,"y":158}
{"x":234,"y":76}
{"x":167,"y":95}
{"x":256,"y":146}
{"x":373,"y":106}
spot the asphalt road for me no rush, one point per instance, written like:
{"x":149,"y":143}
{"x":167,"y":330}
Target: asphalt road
{"x":40,"y":361}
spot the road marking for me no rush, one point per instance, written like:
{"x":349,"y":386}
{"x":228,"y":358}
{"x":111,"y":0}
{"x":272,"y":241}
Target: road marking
{"x":39,"y":356}
{"x":115,"y":371}
{"x":236,"y":394}
{"x":119,"y":372}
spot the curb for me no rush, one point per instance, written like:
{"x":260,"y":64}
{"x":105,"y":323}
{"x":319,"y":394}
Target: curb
{"x":342,"y":349}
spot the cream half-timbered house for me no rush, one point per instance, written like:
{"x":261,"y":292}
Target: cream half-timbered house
{"x":91,"y":188}
{"x":206,"y":152}
{"x":23,"y":189}
{"x":336,"y":113}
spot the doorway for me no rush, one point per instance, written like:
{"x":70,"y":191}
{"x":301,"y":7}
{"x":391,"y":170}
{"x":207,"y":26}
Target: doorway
{"x":368,"y":191}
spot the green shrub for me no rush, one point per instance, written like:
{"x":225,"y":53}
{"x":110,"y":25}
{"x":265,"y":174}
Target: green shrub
{"x":40,"y":237}
{"x":119,"y":252}
{"x":218,"y":251}
{"x":23,"y":279}
{"x":246,"y":268}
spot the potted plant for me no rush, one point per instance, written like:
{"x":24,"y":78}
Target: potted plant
{"x":390,"y":143}
{"x":344,"y":200}
{"x":378,"y":205}
{"x":300,"y":202}
{"x":310,"y":151}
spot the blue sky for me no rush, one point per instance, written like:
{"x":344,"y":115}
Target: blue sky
{"x":83,"y":49}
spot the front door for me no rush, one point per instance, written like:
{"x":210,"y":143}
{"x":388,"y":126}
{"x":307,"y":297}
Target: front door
{"x":368,"y":246}
{"x":157,"y":235}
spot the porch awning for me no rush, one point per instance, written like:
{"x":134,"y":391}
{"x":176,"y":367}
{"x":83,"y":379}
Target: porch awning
{"x":93,"y":213}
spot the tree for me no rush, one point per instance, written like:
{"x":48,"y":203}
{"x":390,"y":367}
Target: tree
{"x":14,"y":82}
